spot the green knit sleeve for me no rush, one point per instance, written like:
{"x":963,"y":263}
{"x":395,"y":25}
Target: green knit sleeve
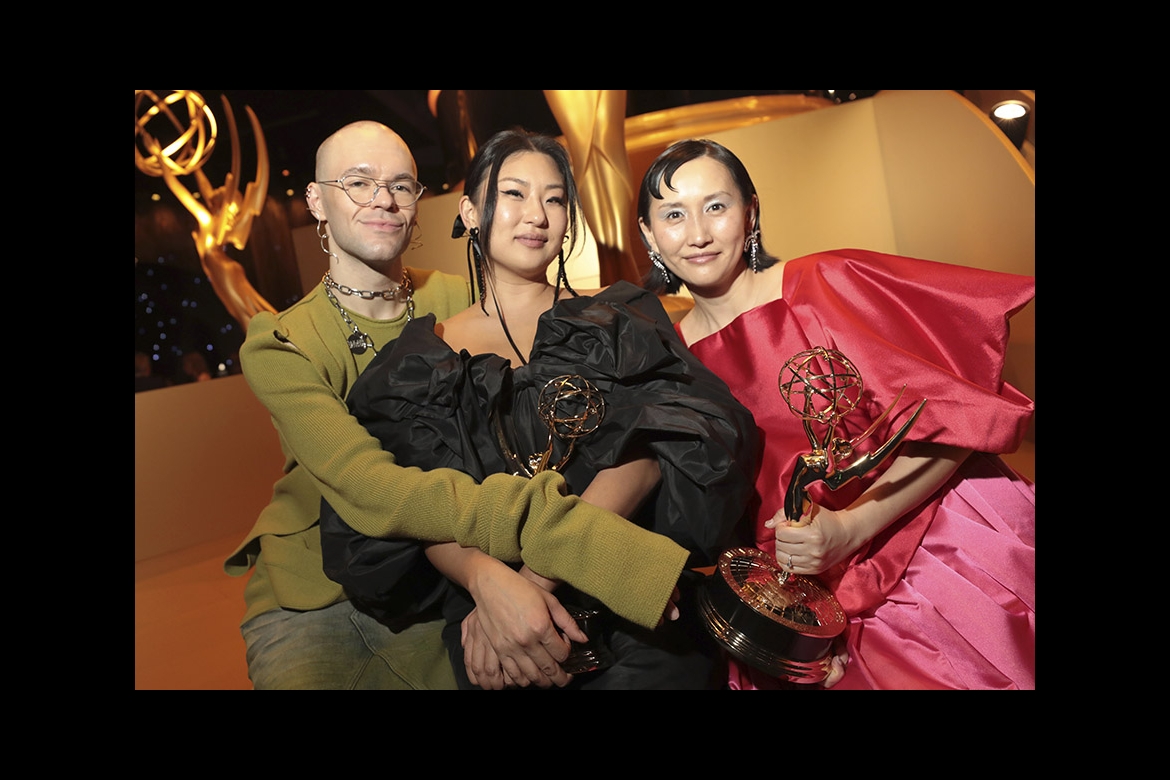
{"x":630,"y":569}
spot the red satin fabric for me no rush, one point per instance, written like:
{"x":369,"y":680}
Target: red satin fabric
{"x":945,"y":596}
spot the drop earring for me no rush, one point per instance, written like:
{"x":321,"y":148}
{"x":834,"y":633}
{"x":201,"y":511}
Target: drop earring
{"x":656,"y":261}
{"x":475,"y":255}
{"x":753,"y":250}
{"x":563,"y":277}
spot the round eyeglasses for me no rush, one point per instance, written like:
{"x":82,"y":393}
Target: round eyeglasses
{"x":362,"y":189}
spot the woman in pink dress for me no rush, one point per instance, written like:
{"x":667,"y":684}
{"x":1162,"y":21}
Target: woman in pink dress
{"x":932,"y":555}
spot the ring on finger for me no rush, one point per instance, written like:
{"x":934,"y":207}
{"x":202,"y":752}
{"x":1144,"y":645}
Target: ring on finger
{"x":790,"y":560}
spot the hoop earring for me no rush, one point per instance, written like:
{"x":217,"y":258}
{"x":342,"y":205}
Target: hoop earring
{"x":415,"y":240}
{"x":321,"y":234}
{"x":660,"y":267}
{"x":475,"y":257}
{"x":753,"y":250}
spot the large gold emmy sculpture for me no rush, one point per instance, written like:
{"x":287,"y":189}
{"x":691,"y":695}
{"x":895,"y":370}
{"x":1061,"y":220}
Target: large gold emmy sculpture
{"x":224,"y":215}
{"x":593,"y":121}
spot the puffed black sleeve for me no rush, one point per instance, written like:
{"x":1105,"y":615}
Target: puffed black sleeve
{"x":659,"y":399}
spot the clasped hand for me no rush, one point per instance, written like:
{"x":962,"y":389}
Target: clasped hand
{"x":519,"y":632}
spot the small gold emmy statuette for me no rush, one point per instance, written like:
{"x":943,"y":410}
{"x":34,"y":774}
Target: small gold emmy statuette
{"x":821,"y":386}
{"x":765,"y":616}
{"x":571,"y":407}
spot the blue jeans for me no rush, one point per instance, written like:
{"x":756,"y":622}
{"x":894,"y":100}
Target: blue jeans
{"x":340,"y":648}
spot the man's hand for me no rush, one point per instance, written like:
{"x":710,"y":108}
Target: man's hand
{"x":518,"y":633}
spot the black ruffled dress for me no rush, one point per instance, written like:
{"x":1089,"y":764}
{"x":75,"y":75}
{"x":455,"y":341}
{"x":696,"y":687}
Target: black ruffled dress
{"x":435,"y":408}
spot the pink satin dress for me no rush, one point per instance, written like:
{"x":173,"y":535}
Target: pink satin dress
{"x":944,"y":597}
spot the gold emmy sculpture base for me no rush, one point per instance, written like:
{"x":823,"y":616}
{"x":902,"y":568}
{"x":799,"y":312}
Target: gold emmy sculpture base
{"x":783,"y":624}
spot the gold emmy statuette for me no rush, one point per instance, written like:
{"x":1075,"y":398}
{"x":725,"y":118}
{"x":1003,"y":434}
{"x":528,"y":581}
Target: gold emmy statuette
{"x":768,"y":618}
{"x":821,"y":386}
{"x":223,"y":215}
{"x":571,"y":407}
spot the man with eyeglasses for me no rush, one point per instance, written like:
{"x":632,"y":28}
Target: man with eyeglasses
{"x":300,"y":630}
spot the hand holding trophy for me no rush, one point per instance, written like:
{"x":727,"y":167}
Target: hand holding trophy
{"x":826,"y":386}
{"x":768,"y":618}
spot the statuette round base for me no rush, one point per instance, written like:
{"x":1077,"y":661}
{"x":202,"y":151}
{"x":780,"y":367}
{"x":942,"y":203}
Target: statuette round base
{"x":783,"y":625}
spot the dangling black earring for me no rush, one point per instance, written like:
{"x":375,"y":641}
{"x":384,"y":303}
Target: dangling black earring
{"x":475,"y":257}
{"x":563,"y":277}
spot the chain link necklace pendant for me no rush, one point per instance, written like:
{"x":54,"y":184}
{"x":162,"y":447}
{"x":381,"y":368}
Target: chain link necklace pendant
{"x":359,"y":342}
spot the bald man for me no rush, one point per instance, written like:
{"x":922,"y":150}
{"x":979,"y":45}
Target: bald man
{"x":300,"y":630}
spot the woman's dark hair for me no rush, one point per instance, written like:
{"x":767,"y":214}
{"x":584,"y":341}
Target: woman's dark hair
{"x":661,"y":172}
{"x":490,"y":157}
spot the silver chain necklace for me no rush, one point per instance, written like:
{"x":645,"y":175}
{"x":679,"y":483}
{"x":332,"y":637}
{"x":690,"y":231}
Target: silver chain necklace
{"x":360,"y":341}
{"x":393,"y":294}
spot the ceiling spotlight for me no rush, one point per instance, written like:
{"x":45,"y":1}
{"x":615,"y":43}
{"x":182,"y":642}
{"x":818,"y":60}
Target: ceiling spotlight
{"x":848,"y":95}
{"x":1011,"y":116}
